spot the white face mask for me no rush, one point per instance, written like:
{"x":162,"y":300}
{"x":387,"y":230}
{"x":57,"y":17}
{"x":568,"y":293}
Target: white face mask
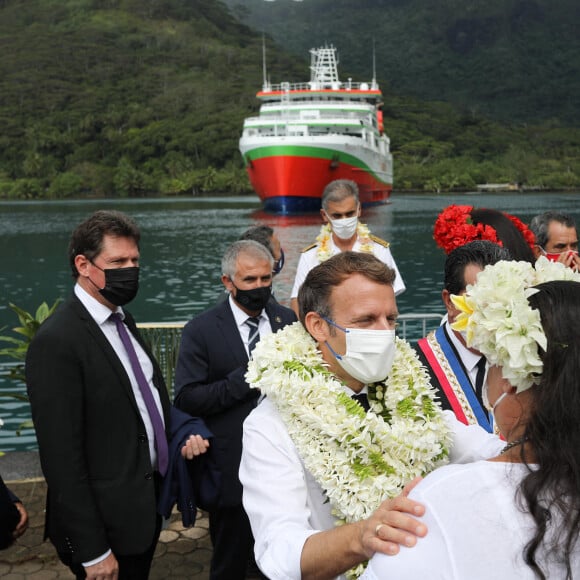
{"x":369,"y":353}
{"x":485,"y":400}
{"x":344,"y":228}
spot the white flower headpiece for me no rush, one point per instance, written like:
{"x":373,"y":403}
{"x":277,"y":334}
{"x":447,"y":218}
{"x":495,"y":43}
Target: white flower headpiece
{"x":499,"y":322}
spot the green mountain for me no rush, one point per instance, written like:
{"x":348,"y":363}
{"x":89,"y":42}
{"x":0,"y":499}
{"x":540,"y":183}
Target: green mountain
{"x":508,"y":59}
{"x":138,"y":97}
{"x":123,"y":95}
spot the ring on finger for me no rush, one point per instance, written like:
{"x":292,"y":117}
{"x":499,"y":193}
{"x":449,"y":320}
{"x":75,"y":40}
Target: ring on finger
{"x":379,"y":526}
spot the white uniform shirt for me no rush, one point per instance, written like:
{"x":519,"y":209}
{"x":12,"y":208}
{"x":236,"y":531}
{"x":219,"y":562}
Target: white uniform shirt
{"x":284,"y":502}
{"x":309,"y":260}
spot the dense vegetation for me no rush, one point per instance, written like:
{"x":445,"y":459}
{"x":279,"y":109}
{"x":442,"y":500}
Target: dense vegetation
{"x":132,"y":97}
{"x":508,"y":59}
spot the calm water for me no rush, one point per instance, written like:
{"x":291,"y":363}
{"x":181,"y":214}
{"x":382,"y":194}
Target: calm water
{"x":182,"y":244}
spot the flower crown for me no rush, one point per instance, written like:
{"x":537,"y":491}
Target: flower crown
{"x":499,"y":321}
{"x":454,"y":228}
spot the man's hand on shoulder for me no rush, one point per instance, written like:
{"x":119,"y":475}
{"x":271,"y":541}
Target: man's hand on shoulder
{"x":393,"y":524}
{"x":196,"y":445}
{"x":107,"y":569}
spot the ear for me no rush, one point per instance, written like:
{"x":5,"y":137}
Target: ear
{"x":82,"y":265}
{"x":324,"y":216}
{"x":446,"y":297}
{"x":359,"y":211}
{"x":316,"y":326}
{"x":537,"y":252}
{"x":229,"y":286}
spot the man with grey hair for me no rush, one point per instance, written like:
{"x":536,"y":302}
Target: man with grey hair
{"x":556,"y":238}
{"x":342,"y":232}
{"x":209,"y":383}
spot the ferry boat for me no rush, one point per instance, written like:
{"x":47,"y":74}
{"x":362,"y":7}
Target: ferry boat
{"x":309,"y":134}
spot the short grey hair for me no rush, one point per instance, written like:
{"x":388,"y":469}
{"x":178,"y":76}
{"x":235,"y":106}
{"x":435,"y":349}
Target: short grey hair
{"x":249,"y":248}
{"x":339,"y":190}
{"x":540,"y":224}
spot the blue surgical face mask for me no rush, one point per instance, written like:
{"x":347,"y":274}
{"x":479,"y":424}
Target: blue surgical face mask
{"x":369,"y":353}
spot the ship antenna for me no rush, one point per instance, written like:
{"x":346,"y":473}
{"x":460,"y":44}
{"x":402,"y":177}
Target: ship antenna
{"x":264,"y":72}
{"x":374,"y":82}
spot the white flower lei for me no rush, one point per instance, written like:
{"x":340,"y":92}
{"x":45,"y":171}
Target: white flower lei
{"x":499,"y":321}
{"x":324,"y":246}
{"x":358,"y":458}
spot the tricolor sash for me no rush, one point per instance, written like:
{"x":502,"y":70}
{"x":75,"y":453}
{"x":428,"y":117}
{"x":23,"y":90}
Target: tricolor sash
{"x":453,"y":379}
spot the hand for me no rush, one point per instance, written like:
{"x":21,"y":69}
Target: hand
{"x":194,"y":446}
{"x":107,"y":569}
{"x":571,"y":260}
{"x":23,"y":523}
{"x":390,"y":526}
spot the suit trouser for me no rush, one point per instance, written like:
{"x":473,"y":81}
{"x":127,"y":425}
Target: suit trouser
{"x":233,"y":543}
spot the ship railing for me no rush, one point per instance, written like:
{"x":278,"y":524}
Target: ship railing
{"x":164,"y":337}
{"x":280,"y":87}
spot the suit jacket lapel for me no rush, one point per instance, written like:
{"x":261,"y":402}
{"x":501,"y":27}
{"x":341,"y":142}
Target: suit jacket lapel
{"x":106,"y":348}
{"x":226,"y":325}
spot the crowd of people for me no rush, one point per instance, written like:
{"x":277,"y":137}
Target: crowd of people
{"x":305,"y":431}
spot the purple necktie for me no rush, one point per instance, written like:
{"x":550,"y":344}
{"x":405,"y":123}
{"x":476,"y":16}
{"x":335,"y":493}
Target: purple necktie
{"x":154,"y":416}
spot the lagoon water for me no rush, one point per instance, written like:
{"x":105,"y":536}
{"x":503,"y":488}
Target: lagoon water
{"x":182,"y":243}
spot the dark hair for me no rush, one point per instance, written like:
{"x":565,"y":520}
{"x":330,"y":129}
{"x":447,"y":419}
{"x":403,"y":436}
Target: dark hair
{"x":479,"y":252}
{"x":261,"y":234}
{"x":338,"y":190}
{"x":87,"y":238}
{"x":541,"y":223}
{"x":551,"y":491}
{"x":314,"y":294}
{"x":507,"y":233}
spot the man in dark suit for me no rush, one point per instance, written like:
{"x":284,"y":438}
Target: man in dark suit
{"x":13,"y":515}
{"x":101,"y":409}
{"x":456,"y":371}
{"x":210,"y":383}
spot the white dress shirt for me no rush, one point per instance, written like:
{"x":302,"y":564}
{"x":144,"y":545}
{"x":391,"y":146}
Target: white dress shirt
{"x":264,"y":327}
{"x":468,"y":358}
{"x":284,"y":502}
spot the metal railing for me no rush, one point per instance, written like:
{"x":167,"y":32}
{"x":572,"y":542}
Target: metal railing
{"x":164,"y":337}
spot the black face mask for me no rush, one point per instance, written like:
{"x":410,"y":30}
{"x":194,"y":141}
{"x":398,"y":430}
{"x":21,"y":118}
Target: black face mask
{"x":255,"y":299}
{"x":121,"y":284}
{"x":278,"y":264}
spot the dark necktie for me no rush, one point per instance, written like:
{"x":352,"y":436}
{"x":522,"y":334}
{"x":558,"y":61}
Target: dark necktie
{"x":254,"y":335}
{"x":152,"y":410}
{"x":363,"y":400}
{"x":479,"y":377}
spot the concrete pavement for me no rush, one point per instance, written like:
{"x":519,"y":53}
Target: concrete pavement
{"x":181,"y":553}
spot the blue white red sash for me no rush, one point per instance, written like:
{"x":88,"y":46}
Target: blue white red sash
{"x":453,"y":379}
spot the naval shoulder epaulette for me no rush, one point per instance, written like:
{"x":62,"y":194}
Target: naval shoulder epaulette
{"x":380,"y":241}
{"x":307,"y":248}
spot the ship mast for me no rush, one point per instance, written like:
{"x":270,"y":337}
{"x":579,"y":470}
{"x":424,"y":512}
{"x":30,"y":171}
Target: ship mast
{"x":265,"y":85}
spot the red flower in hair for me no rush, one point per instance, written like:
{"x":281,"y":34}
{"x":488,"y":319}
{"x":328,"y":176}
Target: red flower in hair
{"x":524,"y":230}
{"x":454,"y":228}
